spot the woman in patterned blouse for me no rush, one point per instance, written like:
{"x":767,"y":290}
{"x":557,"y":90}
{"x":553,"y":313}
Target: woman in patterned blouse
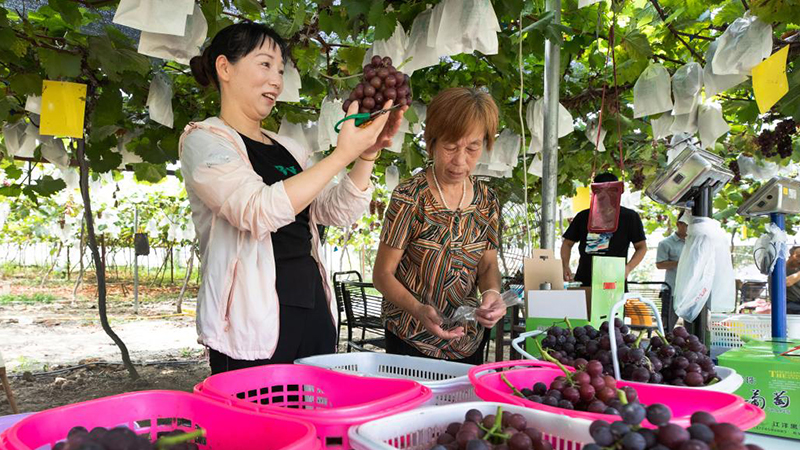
{"x":439,"y":241}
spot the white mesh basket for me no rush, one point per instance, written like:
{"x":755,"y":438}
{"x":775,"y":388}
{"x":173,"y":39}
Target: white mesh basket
{"x":418,"y":429}
{"x":446,"y":379}
{"x":727,"y":330}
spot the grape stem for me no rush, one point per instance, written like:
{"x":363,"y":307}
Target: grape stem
{"x":513,"y":388}
{"x":638,"y":342}
{"x":549,"y":358}
{"x":166,"y":442}
{"x":622,"y":396}
{"x":404,"y":62}
{"x":330,"y":77}
{"x":498,"y":423}
{"x":569,"y":325}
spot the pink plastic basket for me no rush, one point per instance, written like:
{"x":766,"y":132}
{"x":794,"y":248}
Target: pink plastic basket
{"x":332,"y":401}
{"x":682,"y":401}
{"x":154,"y":412}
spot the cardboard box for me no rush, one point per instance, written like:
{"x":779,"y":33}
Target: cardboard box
{"x":771,"y":382}
{"x":543,"y":267}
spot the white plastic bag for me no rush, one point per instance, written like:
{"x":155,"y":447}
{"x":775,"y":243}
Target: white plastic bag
{"x":159,"y":100}
{"x":592,"y":133}
{"x":422,"y":55}
{"x":30,"y":140}
{"x":392,"y":176}
{"x":685,"y":123}
{"x":155,"y":16}
{"x":505,"y":152}
{"x":53,"y":150}
{"x":330,"y":112}
{"x":294,"y":131}
{"x":651,"y":93}
{"x":463,"y":26}
{"x":743,"y":45}
{"x":394,"y":47}
{"x":723,"y":291}
{"x":696,"y":268}
{"x":534,"y":116}
{"x":773,"y":244}
{"x":178,"y":48}
{"x":714,"y":84}
{"x":662,"y":125}
{"x":535,"y":167}
{"x":710,"y":123}
{"x":677,"y":144}
{"x":397,"y":143}
{"x":585,"y":3}
{"x":291,"y":83}
{"x":33,"y":103}
{"x":686,"y":85}
{"x":758,"y":170}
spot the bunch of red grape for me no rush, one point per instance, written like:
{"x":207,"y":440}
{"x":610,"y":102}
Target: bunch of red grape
{"x":783,"y":137}
{"x":638,"y":179}
{"x":381,"y":82}
{"x":122,"y":438}
{"x":494,"y":431}
{"x":766,"y":143}
{"x":681,"y":361}
{"x":586,"y":389}
{"x":703,"y":434}
{"x":737,"y":175}
{"x":684,"y":359}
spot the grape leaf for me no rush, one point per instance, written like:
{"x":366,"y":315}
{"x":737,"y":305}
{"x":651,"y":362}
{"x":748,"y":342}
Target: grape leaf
{"x":59,"y":64}
{"x":108,"y":110}
{"x":353,"y":57}
{"x":26,"y":84}
{"x":69,"y":11}
{"x":152,"y":173}
{"x":637,"y":44}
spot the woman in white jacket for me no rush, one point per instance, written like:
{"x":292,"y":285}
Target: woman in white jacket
{"x":256,"y":205}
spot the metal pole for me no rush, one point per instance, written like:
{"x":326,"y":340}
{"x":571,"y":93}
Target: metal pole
{"x":552,"y":75}
{"x":702,"y":207}
{"x":135,"y":263}
{"x":777,"y":287}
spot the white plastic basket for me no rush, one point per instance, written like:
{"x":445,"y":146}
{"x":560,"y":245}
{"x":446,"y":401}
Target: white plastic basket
{"x":727,"y":330}
{"x":446,"y":379}
{"x":418,"y":429}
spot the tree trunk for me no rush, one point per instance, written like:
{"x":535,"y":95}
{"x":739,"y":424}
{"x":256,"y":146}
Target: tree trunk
{"x":186,"y":279}
{"x":82,"y":249}
{"x":171,"y":265}
{"x":68,"y":268}
{"x":99,"y":268}
{"x":52,"y":266}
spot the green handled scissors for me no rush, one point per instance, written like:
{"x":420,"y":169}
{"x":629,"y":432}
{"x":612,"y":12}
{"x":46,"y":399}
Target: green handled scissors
{"x":362,"y":118}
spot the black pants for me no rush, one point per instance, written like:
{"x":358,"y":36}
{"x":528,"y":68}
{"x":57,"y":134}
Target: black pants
{"x":668,"y":317}
{"x":397,"y":346}
{"x":303,"y":332}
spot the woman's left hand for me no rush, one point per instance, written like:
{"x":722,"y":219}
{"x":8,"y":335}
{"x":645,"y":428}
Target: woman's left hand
{"x":492,"y":309}
{"x":389,"y":130}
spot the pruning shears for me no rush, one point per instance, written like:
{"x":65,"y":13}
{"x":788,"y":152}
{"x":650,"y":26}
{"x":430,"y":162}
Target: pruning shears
{"x":363,"y":118}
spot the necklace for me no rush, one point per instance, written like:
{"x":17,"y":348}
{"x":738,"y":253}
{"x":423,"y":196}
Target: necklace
{"x":438,"y":188}
{"x":261,"y":135}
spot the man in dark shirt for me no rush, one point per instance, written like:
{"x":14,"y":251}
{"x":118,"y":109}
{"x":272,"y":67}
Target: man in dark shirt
{"x":629,"y":231}
{"x":793,"y":281}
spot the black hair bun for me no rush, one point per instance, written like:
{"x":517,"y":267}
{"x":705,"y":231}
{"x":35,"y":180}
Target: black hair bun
{"x":200,"y":69}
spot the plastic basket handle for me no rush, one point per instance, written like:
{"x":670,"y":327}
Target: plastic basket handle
{"x":478,"y":371}
{"x":613,"y":336}
{"x":515,"y":343}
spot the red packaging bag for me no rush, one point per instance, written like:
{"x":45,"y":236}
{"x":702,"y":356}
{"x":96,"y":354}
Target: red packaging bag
{"x":604,"y":208}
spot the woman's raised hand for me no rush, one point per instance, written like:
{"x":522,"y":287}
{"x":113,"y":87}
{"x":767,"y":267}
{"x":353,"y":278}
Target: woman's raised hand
{"x":353,"y":140}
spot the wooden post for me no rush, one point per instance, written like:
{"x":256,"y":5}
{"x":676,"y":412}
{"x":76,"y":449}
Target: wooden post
{"x":7,"y":386}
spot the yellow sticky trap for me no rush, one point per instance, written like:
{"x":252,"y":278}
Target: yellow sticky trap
{"x":582,"y":199}
{"x":769,"y":80}
{"x":63,"y":109}
{"x":744,"y":232}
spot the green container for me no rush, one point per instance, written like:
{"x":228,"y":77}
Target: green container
{"x":771,"y":375}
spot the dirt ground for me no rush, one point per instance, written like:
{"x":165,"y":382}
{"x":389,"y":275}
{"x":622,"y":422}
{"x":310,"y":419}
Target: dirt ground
{"x":40,"y":339}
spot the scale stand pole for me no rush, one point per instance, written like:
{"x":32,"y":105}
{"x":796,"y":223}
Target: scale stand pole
{"x":702,"y":207}
{"x":777,"y":286}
